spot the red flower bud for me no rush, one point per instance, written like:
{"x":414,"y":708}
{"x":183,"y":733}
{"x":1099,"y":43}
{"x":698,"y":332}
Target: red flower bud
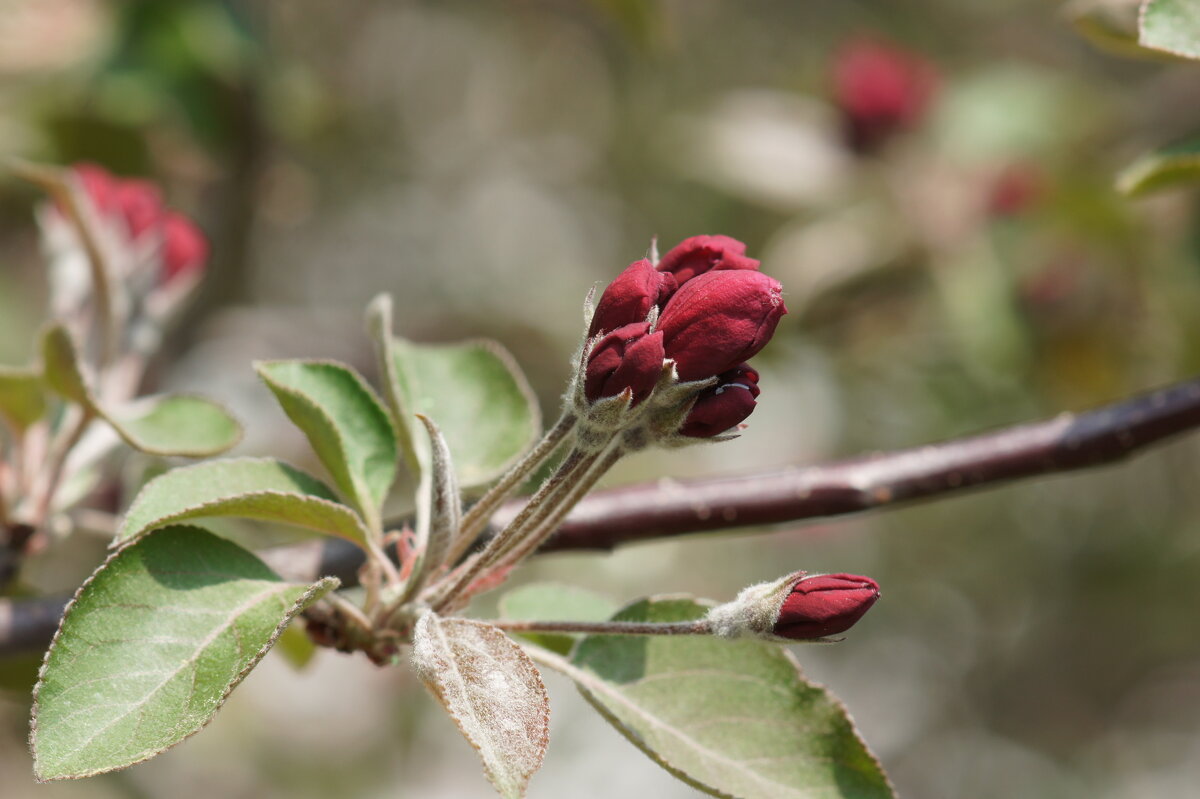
{"x":629,"y":357}
{"x":629,"y":298}
{"x":880,"y":89}
{"x":140,"y":204}
{"x":701,"y":254}
{"x":724,"y":405}
{"x":184,"y":247}
{"x":99,"y":185}
{"x":719,"y":319}
{"x":826,"y":604}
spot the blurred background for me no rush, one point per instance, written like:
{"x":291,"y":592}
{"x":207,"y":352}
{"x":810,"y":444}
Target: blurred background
{"x":933,"y":183}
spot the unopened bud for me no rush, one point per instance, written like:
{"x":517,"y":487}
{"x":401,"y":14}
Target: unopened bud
{"x":725,"y":405}
{"x":629,"y":358}
{"x":629,"y":298}
{"x":720,"y":319}
{"x":796,"y":607}
{"x":184,"y":247}
{"x":700,"y":254}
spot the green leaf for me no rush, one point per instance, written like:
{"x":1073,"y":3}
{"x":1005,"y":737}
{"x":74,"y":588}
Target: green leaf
{"x":379,"y":328}
{"x":175,"y":424}
{"x":22,"y":396}
{"x":60,"y":364}
{"x":151,"y":646}
{"x":1110,"y":25}
{"x":552,"y":602}
{"x":171,"y":424}
{"x":477,"y":395}
{"x":344,"y":422}
{"x":733,"y":718}
{"x":251,"y":488}
{"x":294,"y":645}
{"x":1176,"y":165}
{"x":493,"y":692}
{"x":1172,"y":26}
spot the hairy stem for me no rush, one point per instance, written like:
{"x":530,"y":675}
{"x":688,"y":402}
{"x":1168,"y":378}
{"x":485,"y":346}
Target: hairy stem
{"x":477,"y":517}
{"x":548,"y":494}
{"x":697,"y":627}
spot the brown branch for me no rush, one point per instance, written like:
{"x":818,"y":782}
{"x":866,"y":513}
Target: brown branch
{"x":1062,"y":444}
{"x":665,"y":508}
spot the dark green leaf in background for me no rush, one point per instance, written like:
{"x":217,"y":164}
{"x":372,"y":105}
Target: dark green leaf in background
{"x":1167,"y":167}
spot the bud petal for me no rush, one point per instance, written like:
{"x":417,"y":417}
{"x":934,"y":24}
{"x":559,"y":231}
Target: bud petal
{"x":630,"y":357}
{"x":140,"y":204}
{"x":825,"y":604}
{"x":723,"y":406}
{"x":879,"y":89}
{"x":629,"y":298}
{"x":184,"y":247}
{"x":719,"y":319}
{"x":99,"y":185}
{"x":701,"y":254}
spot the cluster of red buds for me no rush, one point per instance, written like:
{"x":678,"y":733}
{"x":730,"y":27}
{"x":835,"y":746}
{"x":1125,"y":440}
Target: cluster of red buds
{"x":880,"y":90}
{"x":119,"y":257}
{"x":132,"y":212}
{"x":678,"y":333}
{"x":797,"y":607}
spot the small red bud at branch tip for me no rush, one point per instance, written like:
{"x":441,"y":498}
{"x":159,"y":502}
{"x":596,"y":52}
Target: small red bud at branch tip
{"x":825,"y":604}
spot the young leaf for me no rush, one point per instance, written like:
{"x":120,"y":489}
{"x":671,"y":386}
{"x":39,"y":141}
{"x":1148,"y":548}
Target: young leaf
{"x":1111,"y":25}
{"x":22,"y":396}
{"x":344,"y":422}
{"x":1172,"y":26}
{"x":379,"y":328}
{"x":1175,"y":165}
{"x":175,"y":424}
{"x":479,"y":398}
{"x":150,"y":648}
{"x":251,"y":488}
{"x":552,"y":602}
{"x":60,"y":364}
{"x":445,"y":503}
{"x":493,"y":692}
{"x":733,"y":718}
{"x":164,"y":425}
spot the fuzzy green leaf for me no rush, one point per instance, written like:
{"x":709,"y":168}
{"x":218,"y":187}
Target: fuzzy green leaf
{"x":553,"y":602}
{"x":175,"y":424}
{"x":170,"y":424}
{"x":251,"y":488}
{"x":479,"y":398}
{"x":1175,"y":165}
{"x":493,"y":692}
{"x":733,"y":718}
{"x":151,"y":646}
{"x":1172,"y":26}
{"x":22,"y":396}
{"x":345,"y":423}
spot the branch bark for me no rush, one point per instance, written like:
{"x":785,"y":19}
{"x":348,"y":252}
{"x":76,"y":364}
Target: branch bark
{"x":665,"y":508}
